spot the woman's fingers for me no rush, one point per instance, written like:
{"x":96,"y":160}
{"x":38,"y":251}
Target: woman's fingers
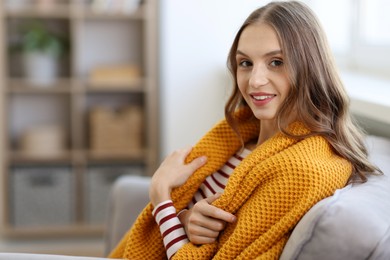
{"x":197,"y":163}
{"x":201,"y":240}
{"x":206,"y":209}
{"x":206,"y":222}
{"x":202,"y":231}
{"x":172,"y":173}
{"x":212,"y":198}
{"x":194,"y":164}
{"x":201,"y":235}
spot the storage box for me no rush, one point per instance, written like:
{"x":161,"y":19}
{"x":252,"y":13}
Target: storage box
{"x":98,"y":182}
{"x":116,"y":132}
{"x":41,"y":196}
{"x":43,"y":141}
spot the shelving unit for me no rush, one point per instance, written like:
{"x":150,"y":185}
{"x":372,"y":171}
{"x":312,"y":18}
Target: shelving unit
{"x":77,"y":177}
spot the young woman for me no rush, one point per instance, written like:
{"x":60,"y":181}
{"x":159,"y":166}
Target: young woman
{"x":287,"y":142}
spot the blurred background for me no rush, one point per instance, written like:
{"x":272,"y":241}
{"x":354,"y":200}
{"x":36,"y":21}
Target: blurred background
{"x":94,"y":89}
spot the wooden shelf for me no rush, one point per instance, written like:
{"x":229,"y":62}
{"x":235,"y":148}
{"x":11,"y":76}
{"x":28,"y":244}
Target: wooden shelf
{"x":57,"y":11}
{"x":136,"y":85}
{"x":131,"y":156}
{"x":25,"y":86}
{"x":90,"y":14}
{"x":97,"y":39}
{"x":18,"y":157}
{"x":78,"y":10}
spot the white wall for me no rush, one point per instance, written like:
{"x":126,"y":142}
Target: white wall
{"x":195,"y":38}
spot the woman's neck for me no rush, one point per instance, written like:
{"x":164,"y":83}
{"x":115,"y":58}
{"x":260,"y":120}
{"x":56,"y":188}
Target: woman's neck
{"x":267,"y":130}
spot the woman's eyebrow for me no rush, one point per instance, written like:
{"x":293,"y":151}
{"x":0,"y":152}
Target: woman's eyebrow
{"x":271,"y":53}
{"x":238,"y":52}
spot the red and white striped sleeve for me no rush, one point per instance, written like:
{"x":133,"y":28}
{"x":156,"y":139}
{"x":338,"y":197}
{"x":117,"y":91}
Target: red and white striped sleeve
{"x":172,"y":231}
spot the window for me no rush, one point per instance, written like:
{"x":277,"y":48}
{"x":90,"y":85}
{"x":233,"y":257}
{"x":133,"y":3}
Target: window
{"x":375,"y":22}
{"x":358,"y":32}
{"x":359,"y":35}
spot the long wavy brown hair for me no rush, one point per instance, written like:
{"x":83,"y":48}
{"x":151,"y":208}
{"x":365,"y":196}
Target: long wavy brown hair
{"x":317,"y":93}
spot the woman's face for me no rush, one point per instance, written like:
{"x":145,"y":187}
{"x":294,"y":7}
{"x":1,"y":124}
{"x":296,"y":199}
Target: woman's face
{"x":261,"y":73}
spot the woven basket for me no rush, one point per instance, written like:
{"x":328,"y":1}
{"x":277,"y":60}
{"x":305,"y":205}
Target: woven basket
{"x":117,"y":132}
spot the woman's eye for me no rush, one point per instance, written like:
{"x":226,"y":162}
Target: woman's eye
{"x":276,"y":63}
{"x":245,"y":63}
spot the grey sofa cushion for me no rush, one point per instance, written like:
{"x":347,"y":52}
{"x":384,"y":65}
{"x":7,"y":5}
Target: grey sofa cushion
{"x":129,"y":195}
{"x":354,"y":223}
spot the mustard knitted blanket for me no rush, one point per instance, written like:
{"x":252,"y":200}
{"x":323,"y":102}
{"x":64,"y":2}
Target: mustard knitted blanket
{"x":269,"y":192}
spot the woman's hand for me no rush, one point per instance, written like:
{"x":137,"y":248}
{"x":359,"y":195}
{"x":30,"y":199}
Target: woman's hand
{"x":204,"y":222}
{"x":172,"y":173}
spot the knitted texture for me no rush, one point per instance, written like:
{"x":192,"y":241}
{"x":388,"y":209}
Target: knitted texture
{"x":269,"y":192}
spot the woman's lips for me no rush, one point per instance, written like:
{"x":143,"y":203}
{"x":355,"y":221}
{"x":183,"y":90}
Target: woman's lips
{"x":260,"y":99}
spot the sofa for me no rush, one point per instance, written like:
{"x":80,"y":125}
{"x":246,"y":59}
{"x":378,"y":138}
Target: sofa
{"x":354,"y":223}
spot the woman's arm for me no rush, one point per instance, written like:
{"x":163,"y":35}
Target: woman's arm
{"x":171,"y":229}
{"x":172,"y":173}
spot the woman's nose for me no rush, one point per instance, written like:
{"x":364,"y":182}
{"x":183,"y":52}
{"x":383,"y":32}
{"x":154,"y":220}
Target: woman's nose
{"x":258,"y":77}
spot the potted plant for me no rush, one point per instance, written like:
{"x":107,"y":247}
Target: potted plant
{"x":41,"y":50}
